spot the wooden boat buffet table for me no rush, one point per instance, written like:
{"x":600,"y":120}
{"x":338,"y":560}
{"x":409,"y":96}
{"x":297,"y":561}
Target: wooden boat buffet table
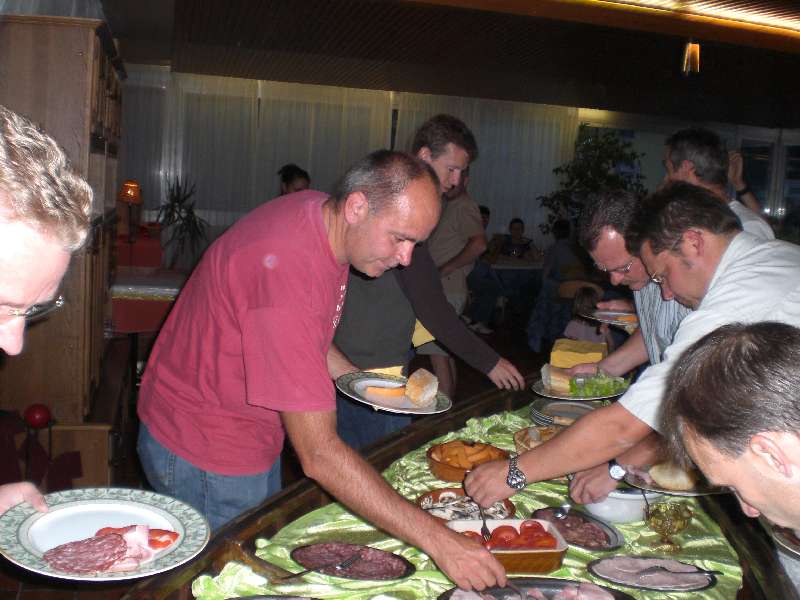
{"x":763,"y":576}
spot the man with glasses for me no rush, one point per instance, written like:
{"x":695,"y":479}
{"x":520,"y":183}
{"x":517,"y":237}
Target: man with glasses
{"x":45,"y":209}
{"x":694,"y":245}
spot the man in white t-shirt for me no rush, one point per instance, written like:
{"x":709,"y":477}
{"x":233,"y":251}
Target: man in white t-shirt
{"x":698,"y":156}
{"x":693,"y":246}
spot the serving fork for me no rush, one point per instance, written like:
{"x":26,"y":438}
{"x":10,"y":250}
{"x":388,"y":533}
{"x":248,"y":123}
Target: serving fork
{"x":487,"y":535}
{"x":660,"y":569}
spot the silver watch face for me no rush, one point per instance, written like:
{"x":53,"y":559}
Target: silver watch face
{"x":516,"y":478}
{"x":616,"y":471}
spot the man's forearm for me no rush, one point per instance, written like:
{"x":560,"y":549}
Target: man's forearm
{"x":343,"y":473}
{"x":338,"y":363}
{"x":628,"y":356}
{"x":475,"y":246}
{"x":647,"y":452}
{"x":598,"y":437}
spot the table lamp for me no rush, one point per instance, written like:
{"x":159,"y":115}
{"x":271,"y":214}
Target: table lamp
{"x":131,"y":194}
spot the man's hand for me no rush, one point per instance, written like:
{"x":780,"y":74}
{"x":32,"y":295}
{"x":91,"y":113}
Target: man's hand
{"x":486,"y":483}
{"x":583,"y":369}
{"x":592,"y":485}
{"x":736,"y":170}
{"x":12,"y":494}
{"x":506,"y":376}
{"x":624,"y":305}
{"x":467,"y":563}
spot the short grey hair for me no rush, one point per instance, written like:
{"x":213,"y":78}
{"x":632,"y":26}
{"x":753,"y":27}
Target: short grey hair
{"x":382,"y":176}
{"x":43,"y":189}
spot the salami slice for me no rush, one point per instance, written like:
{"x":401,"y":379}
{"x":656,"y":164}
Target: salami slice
{"x":94,"y":554}
{"x":576,"y":529}
{"x":373,"y":564}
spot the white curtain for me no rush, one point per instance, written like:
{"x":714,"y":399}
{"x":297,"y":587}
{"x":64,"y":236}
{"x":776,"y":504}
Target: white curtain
{"x":230,"y":136}
{"x":322,"y":129}
{"x":519,"y":145}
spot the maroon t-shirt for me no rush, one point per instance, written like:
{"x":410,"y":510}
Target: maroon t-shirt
{"x":247,"y":339}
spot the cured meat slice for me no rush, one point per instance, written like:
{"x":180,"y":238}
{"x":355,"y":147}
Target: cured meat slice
{"x":576,"y":529}
{"x":91,"y":555}
{"x":627,"y":570}
{"x":372,"y":564}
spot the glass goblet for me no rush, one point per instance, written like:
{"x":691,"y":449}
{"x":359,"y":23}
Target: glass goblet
{"x":668,"y":519}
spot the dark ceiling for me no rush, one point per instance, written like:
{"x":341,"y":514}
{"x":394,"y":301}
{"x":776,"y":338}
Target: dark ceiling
{"x":440,"y":49}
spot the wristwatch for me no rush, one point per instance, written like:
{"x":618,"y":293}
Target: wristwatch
{"x":516,"y":478}
{"x":616,"y":470}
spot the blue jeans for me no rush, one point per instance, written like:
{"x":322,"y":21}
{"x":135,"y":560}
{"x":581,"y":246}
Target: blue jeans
{"x":219,"y":497}
{"x":360,"y":425}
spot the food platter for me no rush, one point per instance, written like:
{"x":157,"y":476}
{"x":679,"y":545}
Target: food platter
{"x":697,"y":581}
{"x":702,"y":488}
{"x":502,"y":509}
{"x":619,"y":318}
{"x":26,"y":534}
{"x":546,"y":585}
{"x":372,"y":564}
{"x":538,"y":388}
{"x":613,"y":535}
{"x":355,"y":386}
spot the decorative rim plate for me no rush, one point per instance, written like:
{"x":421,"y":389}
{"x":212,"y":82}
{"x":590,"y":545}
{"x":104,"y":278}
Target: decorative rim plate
{"x":613,"y":317}
{"x":538,"y":388}
{"x":547,"y":585}
{"x":702,"y":489}
{"x":784,"y":537}
{"x":615,"y":538}
{"x":25,"y":533}
{"x":592,"y":568}
{"x":544,"y":410}
{"x":355,"y":384}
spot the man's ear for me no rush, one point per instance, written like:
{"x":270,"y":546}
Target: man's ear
{"x":769,"y":450}
{"x":356,"y":208}
{"x":424,"y":153}
{"x":693,"y":243}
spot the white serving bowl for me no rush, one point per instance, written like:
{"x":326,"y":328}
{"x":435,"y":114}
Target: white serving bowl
{"x":622,"y":506}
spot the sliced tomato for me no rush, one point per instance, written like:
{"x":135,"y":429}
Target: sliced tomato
{"x":474,"y":535}
{"x":530,"y":525}
{"x":544,"y":541}
{"x":503,"y":537}
{"x":117,"y":530}
{"x":161,"y":538}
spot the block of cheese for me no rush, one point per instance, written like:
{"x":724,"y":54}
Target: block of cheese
{"x":568,"y":353}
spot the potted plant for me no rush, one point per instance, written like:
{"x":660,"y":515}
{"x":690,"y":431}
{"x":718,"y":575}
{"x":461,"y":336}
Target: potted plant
{"x":184,"y":229}
{"x":603,"y":161}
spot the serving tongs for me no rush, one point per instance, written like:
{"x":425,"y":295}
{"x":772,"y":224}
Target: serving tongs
{"x":337,"y":566}
{"x":660,"y":569}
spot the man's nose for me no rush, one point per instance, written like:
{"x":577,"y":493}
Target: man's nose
{"x":404,"y":253}
{"x":616,"y":278}
{"x":666,"y":293}
{"x":12,"y":335}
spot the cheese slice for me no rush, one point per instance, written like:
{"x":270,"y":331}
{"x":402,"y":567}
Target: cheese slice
{"x":568,"y":353}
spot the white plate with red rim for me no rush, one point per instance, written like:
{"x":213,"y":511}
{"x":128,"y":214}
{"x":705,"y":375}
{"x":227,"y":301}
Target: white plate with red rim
{"x":26,"y":534}
{"x":355,"y":386}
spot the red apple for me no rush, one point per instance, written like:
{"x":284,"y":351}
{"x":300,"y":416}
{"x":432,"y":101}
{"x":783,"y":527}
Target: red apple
{"x":37,"y":416}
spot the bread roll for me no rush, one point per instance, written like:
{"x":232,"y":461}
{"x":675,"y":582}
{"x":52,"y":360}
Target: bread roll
{"x":555,"y":379}
{"x":421,"y":388}
{"x":670,"y":476}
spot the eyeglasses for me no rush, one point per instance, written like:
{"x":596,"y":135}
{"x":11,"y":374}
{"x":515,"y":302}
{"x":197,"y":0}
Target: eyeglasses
{"x":621,"y":270}
{"x":37,"y":311}
{"x":660,"y":278}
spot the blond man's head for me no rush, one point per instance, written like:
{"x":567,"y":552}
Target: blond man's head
{"x":39,"y":186}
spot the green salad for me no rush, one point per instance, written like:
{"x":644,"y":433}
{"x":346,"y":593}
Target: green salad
{"x":585,"y":386}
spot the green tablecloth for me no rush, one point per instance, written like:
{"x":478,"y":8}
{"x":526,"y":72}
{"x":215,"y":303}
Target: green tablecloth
{"x":702,"y":543}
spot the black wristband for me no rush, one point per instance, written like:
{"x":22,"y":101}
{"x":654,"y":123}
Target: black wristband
{"x":743,"y":191}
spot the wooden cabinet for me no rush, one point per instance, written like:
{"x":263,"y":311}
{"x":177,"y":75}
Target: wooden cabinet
{"x":60,"y":72}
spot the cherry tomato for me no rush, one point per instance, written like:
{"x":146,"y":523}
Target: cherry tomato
{"x":37,"y":416}
{"x":161,"y":538}
{"x":530,"y":525}
{"x":474,"y":535}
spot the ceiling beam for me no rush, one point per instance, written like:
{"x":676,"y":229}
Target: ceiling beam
{"x":628,"y":16}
